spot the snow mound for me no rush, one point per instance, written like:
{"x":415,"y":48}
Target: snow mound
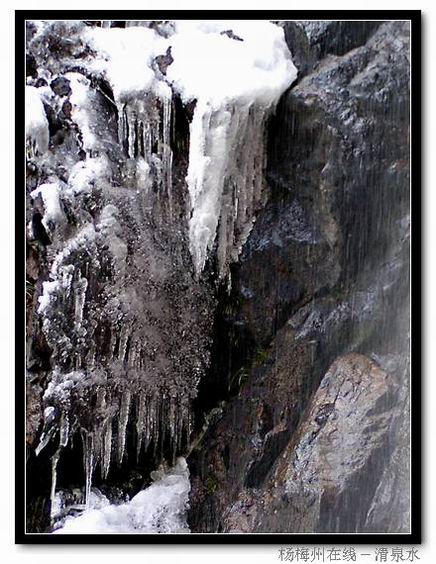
{"x":218,"y":61}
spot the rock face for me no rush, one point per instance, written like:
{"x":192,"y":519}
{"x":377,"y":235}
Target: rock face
{"x":333,"y":463}
{"x":300,"y":356}
{"x":320,"y":299}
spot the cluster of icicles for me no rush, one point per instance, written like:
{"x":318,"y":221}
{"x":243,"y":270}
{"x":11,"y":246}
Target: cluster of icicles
{"x":104,"y":440}
{"x":156,"y":416}
{"x":145,"y":132}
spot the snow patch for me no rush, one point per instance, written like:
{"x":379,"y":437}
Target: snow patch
{"x":124,"y":58}
{"x":85,"y":174}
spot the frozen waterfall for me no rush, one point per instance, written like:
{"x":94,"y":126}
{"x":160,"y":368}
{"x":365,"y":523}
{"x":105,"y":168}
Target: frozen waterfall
{"x":121,"y":293}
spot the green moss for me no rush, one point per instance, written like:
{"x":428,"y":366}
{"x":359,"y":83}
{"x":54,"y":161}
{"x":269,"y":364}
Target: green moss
{"x":260,"y":356}
{"x":211,"y":485}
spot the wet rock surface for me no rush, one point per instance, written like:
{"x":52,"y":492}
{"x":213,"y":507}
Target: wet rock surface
{"x":320,"y":301}
{"x":327,"y":476}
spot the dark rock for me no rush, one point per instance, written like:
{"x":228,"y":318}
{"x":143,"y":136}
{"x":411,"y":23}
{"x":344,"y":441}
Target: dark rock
{"x":337,"y":37}
{"x":61,"y":86}
{"x":31,"y":66}
{"x":33,"y":413}
{"x":327,"y":477}
{"x":231,"y":35}
{"x":164,"y":61}
{"x":40,"y":82}
{"x":66,"y":110}
{"x":304,"y":55}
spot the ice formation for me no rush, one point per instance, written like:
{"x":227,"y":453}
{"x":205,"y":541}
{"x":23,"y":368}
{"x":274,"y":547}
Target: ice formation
{"x":37,"y":134}
{"x":160,"y":508}
{"x":236,"y":81}
{"x":107,"y":236}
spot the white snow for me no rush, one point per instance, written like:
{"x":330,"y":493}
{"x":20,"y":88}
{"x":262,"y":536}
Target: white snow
{"x":85,"y":174}
{"x":125,"y":57}
{"x":36,"y":121}
{"x":160,"y":508}
{"x":210,"y":65}
{"x":49,"y":288}
{"x":53,"y":212}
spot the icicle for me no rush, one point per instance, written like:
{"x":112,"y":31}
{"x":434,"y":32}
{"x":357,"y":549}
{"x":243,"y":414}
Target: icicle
{"x":124,"y":337}
{"x":106,"y":449}
{"x":171,"y":422}
{"x":64,"y":429}
{"x":54,"y":464}
{"x":225,"y":180}
{"x":131,"y":126}
{"x":88,"y":462}
{"x":155,"y":421}
{"x":121,"y":123}
{"x":49,"y":429}
{"x":167,"y":153}
{"x":45,"y":439}
{"x":80,"y":295}
{"x":140,"y":423}
{"x":147,"y":142}
{"x":122,"y":425}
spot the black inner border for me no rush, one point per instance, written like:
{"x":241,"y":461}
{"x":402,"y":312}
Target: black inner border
{"x":415,"y":537}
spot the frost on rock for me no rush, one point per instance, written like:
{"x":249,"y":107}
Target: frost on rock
{"x":160,"y":508}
